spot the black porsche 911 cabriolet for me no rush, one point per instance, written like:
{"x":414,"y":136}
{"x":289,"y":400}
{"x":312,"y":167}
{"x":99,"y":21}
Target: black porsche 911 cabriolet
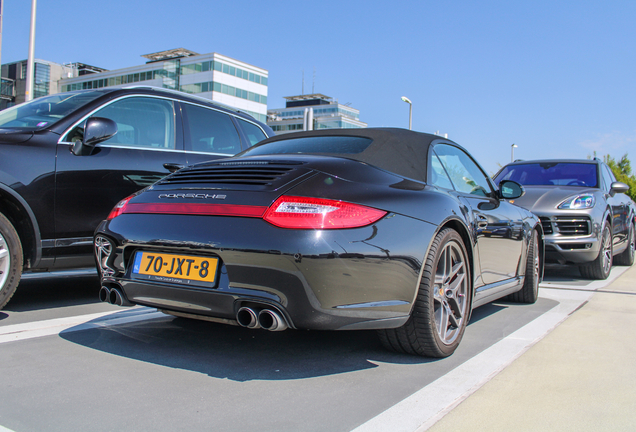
{"x":383,"y":229}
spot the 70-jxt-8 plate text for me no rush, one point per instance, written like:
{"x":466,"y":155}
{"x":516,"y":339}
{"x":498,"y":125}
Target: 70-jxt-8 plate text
{"x":175,"y":268}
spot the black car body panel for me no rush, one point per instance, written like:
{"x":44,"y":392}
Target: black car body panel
{"x":55,"y":199}
{"x":362,"y":277}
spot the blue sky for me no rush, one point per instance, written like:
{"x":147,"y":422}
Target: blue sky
{"x":557,"y":78}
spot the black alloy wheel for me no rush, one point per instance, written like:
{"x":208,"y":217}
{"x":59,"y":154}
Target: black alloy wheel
{"x":529,"y":293}
{"x":600,"y":268}
{"x":626,"y":258}
{"x":10,"y":260}
{"x":442,"y":305}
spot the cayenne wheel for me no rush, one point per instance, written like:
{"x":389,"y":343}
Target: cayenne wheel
{"x":442,"y":306}
{"x":600,"y":268}
{"x":626,"y":258}
{"x":529,"y":293}
{"x":10,"y":260}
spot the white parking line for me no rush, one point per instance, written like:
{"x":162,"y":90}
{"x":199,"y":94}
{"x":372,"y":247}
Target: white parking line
{"x":425,"y":407}
{"x":17,"y":332}
{"x":582,"y":284}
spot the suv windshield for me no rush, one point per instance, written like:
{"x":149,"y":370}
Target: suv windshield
{"x":45,"y":111}
{"x":551,"y":174}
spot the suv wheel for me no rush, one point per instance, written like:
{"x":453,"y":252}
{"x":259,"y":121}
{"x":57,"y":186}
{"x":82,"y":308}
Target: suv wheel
{"x":599,"y":269}
{"x":10,"y":260}
{"x":626,"y":258}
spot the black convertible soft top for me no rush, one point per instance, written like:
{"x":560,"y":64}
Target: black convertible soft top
{"x":400,"y":151}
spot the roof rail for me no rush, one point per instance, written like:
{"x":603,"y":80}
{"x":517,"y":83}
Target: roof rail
{"x":227,"y":107}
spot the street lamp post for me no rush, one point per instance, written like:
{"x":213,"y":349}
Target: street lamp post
{"x":512,"y":152}
{"x":408,"y":101}
{"x":30,"y":61}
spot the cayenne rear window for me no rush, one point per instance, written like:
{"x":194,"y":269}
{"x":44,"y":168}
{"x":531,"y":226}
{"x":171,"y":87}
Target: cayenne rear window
{"x":312,"y":145}
{"x":551,"y":174}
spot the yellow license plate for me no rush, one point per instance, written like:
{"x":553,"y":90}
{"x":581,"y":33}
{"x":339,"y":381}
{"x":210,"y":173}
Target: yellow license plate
{"x":175,"y":268}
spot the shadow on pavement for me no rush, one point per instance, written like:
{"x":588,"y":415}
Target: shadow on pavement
{"x":240,"y":354}
{"x":53,"y":292}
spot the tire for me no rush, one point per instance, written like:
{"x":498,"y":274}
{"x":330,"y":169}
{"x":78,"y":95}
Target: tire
{"x":10,"y":260}
{"x":442,"y":306}
{"x":626,"y":258}
{"x":529,"y":293}
{"x":600,"y":268}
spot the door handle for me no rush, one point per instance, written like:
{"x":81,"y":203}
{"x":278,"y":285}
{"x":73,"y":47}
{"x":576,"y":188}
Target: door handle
{"x":172,"y":167}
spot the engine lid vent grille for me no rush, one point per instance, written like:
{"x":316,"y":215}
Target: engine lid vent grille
{"x":254,"y":175}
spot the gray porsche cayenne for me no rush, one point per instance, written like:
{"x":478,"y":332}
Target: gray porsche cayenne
{"x":587,"y":218}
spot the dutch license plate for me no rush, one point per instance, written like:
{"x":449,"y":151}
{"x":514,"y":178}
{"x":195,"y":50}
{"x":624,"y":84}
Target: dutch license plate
{"x":175,"y":268}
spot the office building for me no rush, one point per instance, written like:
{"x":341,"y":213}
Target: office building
{"x":212,"y":76}
{"x":311,"y":112}
{"x":47,"y":76}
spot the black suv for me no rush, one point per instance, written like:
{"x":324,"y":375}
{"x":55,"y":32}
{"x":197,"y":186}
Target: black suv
{"x":67,"y":159}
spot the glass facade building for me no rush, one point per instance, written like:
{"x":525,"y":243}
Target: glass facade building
{"x":312,"y":112}
{"x":46,"y":76}
{"x":212,"y":76}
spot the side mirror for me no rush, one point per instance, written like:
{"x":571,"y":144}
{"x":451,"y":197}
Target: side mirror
{"x":618,"y":187}
{"x":509,"y":189}
{"x":96,"y":130}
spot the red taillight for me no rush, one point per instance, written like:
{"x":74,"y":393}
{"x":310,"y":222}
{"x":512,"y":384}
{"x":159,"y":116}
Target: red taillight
{"x":199,"y":209}
{"x":119,"y":208}
{"x":317,"y":213}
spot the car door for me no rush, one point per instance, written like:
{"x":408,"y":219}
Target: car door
{"x":496,"y":224}
{"x":618,"y":207}
{"x":87,"y":187}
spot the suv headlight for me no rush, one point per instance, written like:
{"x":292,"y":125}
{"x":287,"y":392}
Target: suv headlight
{"x":578,"y":202}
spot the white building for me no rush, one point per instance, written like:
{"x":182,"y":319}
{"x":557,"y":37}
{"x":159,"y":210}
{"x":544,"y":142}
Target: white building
{"x":311,"y":112}
{"x":212,"y":76}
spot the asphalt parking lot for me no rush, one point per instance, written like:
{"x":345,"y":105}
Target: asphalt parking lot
{"x":84,"y":365}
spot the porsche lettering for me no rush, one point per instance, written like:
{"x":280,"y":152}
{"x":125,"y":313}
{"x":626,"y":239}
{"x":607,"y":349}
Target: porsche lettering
{"x":192,"y":195}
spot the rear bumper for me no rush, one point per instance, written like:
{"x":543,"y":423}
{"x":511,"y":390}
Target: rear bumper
{"x":360,"y":278}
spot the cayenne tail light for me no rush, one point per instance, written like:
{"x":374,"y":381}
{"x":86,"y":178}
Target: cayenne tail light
{"x":317,"y":213}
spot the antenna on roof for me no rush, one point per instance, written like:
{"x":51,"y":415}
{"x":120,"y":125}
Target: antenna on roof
{"x":303,"y":92}
{"x":313,"y":81}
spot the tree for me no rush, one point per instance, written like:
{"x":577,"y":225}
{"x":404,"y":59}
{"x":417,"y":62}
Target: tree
{"x":622,"y":169}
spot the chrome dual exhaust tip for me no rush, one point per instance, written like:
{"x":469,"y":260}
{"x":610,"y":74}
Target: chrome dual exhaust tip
{"x":113,"y":296}
{"x":265,"y":318}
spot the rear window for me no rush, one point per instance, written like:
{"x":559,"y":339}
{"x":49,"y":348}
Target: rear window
{"x":312,"y":145}
{"x":551,"y":174}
